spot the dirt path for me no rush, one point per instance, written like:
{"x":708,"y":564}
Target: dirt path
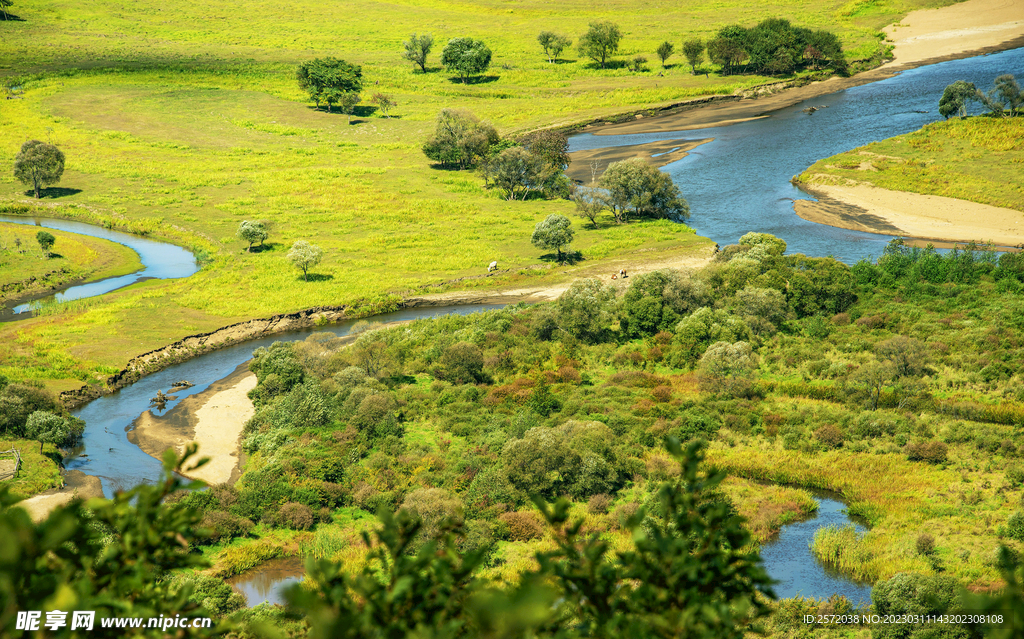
{"x":926,"y":217}
{"x":214,"y":418}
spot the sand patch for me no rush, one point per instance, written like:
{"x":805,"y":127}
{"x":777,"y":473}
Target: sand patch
{"x":213,"y":418}
{"x":588,"y":166}
{"x":77,"y":485}
{"x":966,"y":26}
{"x":927,"y":217}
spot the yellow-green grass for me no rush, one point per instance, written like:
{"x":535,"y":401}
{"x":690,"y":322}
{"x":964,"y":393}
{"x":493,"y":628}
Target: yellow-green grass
{"x":767,"y":507}
{"x":980,"y":159}
{"x":72,"y":257}
{"x":961,"y":505}
{"x":38,"y":472}
{"x":185,"y":122}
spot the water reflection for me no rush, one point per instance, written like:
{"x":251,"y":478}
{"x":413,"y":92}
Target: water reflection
{"x":266,"y":582}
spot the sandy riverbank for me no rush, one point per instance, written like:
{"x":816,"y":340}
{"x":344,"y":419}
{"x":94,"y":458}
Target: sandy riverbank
{"x":923,"y":37}
{"x":912,"y":215}
{"x":588,"y":166}
{"x":213,"y":418}
{"x":77,"y":485}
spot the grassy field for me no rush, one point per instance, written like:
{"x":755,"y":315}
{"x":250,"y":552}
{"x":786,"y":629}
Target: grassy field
{"x":183,"y":123}
{"x":39,"y":470}
{"x":72,"y":257}
{"x":979,"y":159}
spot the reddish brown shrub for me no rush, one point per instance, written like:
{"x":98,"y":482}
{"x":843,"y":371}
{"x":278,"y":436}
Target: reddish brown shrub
{"x":830,"y":436}
{"x":522,"y":526}
{"x":841,"y":319}
{"x":662,"y":393}
{"x":295,"y":516}
{"x":599,"y":504}
{"x":933,"y":452}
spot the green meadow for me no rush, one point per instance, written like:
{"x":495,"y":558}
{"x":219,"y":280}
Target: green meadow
{"x":182,"y":122}
{"x":980,"y":159}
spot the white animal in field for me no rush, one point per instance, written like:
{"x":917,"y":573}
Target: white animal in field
{"x":493,"y":266}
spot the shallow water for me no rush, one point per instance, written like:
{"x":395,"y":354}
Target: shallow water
{"x":789,"y":561}
{"x":740,"y":181}
{"x":105,"y":450}
{"x":160,"y":260}
{"x":265,"y":583}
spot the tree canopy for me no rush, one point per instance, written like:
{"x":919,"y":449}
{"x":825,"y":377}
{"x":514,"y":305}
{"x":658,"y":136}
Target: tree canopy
{"x":466,"y":56}
{"x":554,"y":232}
{"x":955,"y":98}
{"x":774,"y":47}
{"x":305,"y":256}
{"x":460,"y":139}
{"x":600,"y":41}
{"x":417,"y":48}
{"x":39,"y":164}
{"x":516,"y":172}
{"x":46,"y":241}
{"x":553,"y":44}
{"x":252,"y":232}
{"x":693,"y":51}
{"x":665,"y":51}
{"x":327,"y":80}
{"x":636,"y":188}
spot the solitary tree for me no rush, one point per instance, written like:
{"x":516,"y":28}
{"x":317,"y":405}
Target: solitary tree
{"x":252,"y":232}
{"x":955,"y":98}
{"x":417,"y":48}
{"x":637,"y":188}
{"x":466,"y":56}
{"x":326,"y":80}
{"x":553,"y":44}
{"x":46,"y":241}
{"x":3,"y":7}
{"x":554,"y":232}
{"x":384,"y":102}
{"x":693,"y":50}
{"x":305,"y":256}
{"x":39,"y":164}
{"x":665,"y":51}
{"x":600,"y":41}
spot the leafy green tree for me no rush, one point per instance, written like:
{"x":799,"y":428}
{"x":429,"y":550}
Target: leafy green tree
{"x":111,"y":557}
{"x":726,"y":49}
{"x":1010,"y":93}
{"x":551,"y":145}
{"x":39,"y":164}
{"x":516,"y":172}
{"x":693,"y":50}
{"x":638,"y":63}
{"x":326,"y":80}
{"x":727,"y":368}
{"x":4,"y":4}
{"x":600,"y":41}
{"x":47,"y":428}
{"x":347,"y":102}
{"x":915,"y":595}
{"x":417,"y":48}
{"x":46,"y":241}
{"x":305,"y":256}
{"x":554,"y":232}
{"x":823,"y":48}
{"x":384,"y":101}
{"x":691,"y":573}
{"x":466,"y":56}
{"x":553,"y":44}
{"x":955,"y":98}
{"x":585,"y":309}
{"x":590,"y":203}
{"x":252,"y":232}
{"x":665,"y":51}
{"x":460,"y":139}
{"x":636,"y":188}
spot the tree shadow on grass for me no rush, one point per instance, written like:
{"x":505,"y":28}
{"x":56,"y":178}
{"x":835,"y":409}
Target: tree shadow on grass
{"x":12,"y":18}
{"x":267,"y":247}
{"x":568,"y":257}
{"x":316,"y":277}
{"x":52,"y":192}
{"x":608,"y":65}
{"x":363,"y":111}
{"x":477,"y":79}
{"x":563,"y":61}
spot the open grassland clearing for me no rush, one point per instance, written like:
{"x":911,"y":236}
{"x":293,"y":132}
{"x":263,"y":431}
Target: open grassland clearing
{"x":27,"y":269}
{"x":979,"y":159}
{"x":39,"y":470}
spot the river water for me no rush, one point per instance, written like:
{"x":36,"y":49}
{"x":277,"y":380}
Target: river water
{"x":740,"y":181}
{"x":159,"y":260}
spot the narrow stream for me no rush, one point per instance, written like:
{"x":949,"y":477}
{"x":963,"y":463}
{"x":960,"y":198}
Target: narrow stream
{"x":160,"y":260}
{"x":105,"y":450}
{"x":740,"y":181}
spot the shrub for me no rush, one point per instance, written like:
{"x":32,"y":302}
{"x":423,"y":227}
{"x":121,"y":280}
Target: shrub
{"x":925,"y":544}
{"x":598,"y":504}
{"x":933,"y":452}
{"x":522,"y":526}
{"x":1014,"y":528}
{"x":830,"y":436}
{"x":433,"y":506}
{"x":727,"y":368}
{"x":223,"y":525}
{"x":623,"y":513}
{"x":1015,"y":475}
{"x":295,"y":516}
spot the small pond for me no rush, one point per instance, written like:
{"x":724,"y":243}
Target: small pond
{"x":267,"y":582}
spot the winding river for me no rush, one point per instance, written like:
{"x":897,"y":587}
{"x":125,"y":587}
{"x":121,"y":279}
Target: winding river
{"x":160,"y":260}
{"x":735,"y":184}
{"x":740,"y":181}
